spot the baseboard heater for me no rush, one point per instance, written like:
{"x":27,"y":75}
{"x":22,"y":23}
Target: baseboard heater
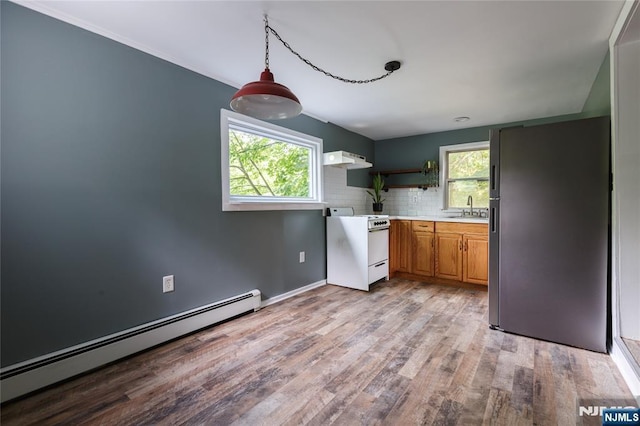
{"x":19,"y":379}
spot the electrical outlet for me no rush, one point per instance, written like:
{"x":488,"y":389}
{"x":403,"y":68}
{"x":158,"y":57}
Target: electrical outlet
{"x":415,"y":199}
{"x":302,"y":256}
{"x":167,"y":284}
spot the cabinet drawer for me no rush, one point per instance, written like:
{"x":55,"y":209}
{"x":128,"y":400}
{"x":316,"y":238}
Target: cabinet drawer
{"x":378,"y":271}
{"x":462,"y":228}
{"x":422,"y":225}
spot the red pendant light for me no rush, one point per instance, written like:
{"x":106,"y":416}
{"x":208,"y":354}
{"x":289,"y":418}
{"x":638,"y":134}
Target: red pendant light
{"x":266,"y":99}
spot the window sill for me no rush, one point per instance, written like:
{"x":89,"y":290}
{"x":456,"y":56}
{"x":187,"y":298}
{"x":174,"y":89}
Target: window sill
{"x":265,"y":206}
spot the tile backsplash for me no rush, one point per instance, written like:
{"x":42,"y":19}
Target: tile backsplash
{"x":413,"y":202}
{"x":338,"y":194}
{"x":398,"y":201}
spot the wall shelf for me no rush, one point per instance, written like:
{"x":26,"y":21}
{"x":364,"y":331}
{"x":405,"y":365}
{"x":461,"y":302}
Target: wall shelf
{"x":387,"y":173}
{"x":416,"y":185}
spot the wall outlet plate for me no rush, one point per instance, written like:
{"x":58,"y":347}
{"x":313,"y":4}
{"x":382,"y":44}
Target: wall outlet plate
{"x":167,"y":284}
{"x":302,"y":257}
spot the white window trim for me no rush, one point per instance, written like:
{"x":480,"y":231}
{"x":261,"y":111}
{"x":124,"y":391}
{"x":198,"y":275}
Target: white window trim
{"x":444,"y":166}
{"x":231,"y":203}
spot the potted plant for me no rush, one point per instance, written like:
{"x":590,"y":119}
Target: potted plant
{"x":376,"y":193}
{"x":431,"y":170}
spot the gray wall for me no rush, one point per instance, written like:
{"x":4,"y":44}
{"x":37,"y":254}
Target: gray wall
{"x":110,"y":179}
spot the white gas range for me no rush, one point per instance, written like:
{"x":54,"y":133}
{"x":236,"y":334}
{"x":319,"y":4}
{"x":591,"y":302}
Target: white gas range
{"x":357,"y":248}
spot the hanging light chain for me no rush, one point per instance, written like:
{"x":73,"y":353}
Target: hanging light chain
{"x":266,"y":42}
{"x":268,"y":28}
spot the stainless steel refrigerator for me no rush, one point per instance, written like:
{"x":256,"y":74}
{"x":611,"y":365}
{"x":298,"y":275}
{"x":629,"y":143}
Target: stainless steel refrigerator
{"x":549,"y":232}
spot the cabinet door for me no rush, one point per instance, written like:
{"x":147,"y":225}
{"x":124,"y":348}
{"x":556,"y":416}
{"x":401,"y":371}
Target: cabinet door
{"x":394,"y":248}
{"x":423,"y":253}
{"x":476,"y":259}
{"x":404,"y":246}
{"x":449,"y":256}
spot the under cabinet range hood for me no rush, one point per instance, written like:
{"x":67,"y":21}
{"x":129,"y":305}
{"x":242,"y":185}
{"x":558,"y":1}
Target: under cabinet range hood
{"x":346,"y":160}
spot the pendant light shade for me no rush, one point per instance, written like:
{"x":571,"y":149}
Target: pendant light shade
{"x":266,"y":99}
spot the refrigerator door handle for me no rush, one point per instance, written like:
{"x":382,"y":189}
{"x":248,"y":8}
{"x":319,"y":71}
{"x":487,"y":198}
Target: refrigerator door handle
{"x":492,"y":220}
{"x":493,"y":177}
{"x":494,"y":262}
{"x":494,"y":163}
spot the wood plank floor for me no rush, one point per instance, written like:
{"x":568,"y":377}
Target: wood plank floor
{"x":405,"y":353}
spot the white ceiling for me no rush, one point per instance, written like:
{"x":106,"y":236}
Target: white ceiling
{"x":494,"y":61}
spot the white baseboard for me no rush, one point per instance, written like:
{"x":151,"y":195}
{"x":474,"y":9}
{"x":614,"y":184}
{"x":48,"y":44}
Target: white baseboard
{"x":281,"y":297}
{"x":28,"y":376}
{"x":25,"y":377}
{"x":627,"y":371}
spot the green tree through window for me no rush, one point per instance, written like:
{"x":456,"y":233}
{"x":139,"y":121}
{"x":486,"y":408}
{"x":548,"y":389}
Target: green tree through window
{"x":268,"y":167}
{"x":260,"y":166}
{"x":468,"y":174}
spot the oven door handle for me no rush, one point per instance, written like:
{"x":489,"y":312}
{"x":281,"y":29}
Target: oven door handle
{"x":378,"y":230}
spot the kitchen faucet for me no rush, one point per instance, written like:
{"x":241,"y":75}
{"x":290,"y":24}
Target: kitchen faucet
{"x":470,"y":203}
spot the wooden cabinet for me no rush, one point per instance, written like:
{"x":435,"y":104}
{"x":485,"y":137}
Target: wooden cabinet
{"x":462,"y":252}
{"x":423,"y":248}
{"x":448,"y":250}
{"x":404,"y":246}
{"x":400,"y":246}
{"x":475,"y":258}
{"x":449,"y":255}
{"x":393,"y":247}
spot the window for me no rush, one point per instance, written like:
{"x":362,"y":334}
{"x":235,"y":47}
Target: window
{"x":465,"y":173}
{"x":268,"y":167}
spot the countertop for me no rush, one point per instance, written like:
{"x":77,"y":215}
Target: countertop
{"x":444,"y":219}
